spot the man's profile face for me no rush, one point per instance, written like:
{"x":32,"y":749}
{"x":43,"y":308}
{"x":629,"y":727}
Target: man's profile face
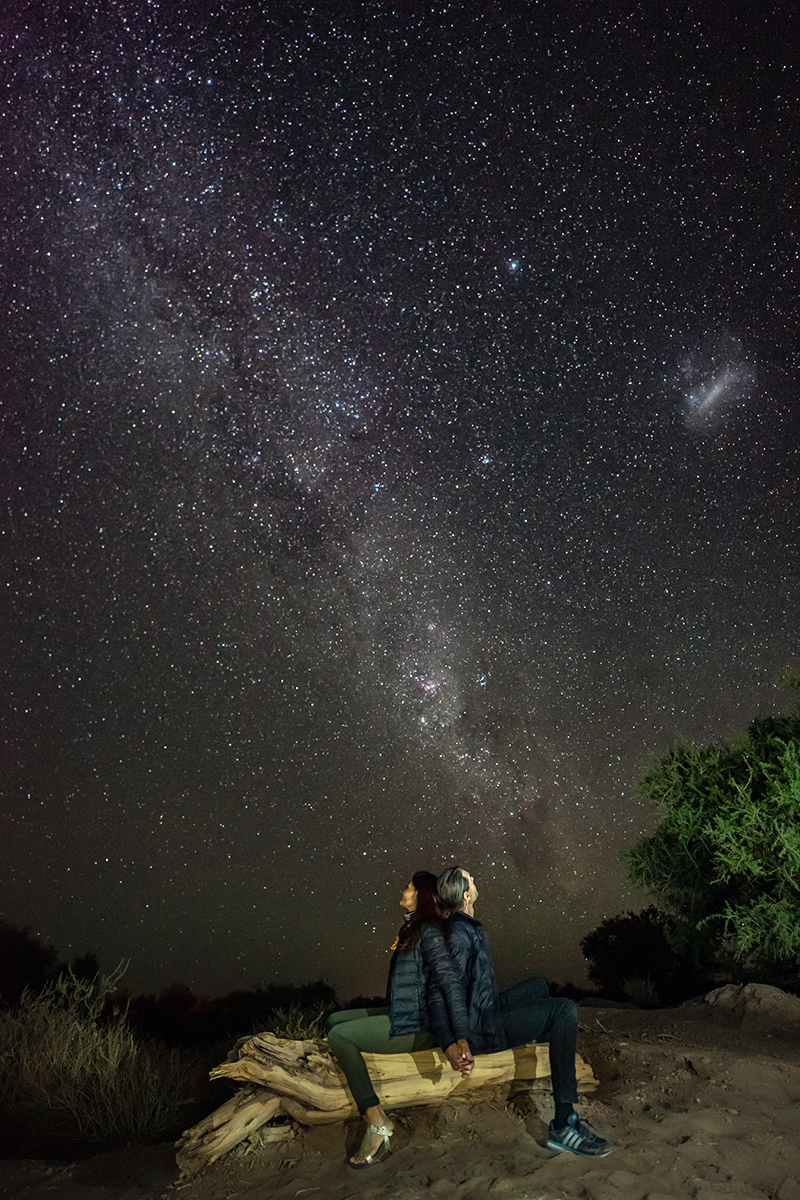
{"x":471,"y":896}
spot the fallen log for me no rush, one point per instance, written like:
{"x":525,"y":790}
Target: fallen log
{"x":229,"y":1125}
{"x":301,"y":1080}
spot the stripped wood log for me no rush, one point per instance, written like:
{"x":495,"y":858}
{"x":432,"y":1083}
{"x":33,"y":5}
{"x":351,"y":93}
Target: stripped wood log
{"x":225,"y":1128}
{"x":301,"y":1080}
{"x":290,"y":1068}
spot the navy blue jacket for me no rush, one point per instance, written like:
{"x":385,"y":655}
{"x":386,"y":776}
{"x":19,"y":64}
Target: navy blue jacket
{"x":471,"y":956}
{"x":410,"y":972}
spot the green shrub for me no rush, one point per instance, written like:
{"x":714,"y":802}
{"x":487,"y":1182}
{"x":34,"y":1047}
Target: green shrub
{"x":724,"y":859}
{"x":68,"y":1072}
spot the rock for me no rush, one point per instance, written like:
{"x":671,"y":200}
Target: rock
{"x":757,"y":1005}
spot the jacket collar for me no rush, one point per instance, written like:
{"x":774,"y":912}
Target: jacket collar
{"x":462,"y":916}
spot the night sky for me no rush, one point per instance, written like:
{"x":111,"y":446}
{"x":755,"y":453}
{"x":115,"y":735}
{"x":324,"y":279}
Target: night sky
{"x":400,"y":445}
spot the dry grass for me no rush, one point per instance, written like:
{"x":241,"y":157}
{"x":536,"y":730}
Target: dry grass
{"x":68,"y":1072}
{"x":299,"y":1023}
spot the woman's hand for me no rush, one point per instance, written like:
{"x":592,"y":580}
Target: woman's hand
{"x":460,"y":1057}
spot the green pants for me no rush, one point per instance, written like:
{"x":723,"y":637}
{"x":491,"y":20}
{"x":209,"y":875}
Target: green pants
{"x":356,"y":1030}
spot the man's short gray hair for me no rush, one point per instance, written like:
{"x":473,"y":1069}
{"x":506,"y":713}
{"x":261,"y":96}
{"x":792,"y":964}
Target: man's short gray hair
{"x":451,"y":886}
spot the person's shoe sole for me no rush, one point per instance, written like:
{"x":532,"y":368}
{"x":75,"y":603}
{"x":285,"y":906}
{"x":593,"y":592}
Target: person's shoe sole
{"x":559,"y":1149}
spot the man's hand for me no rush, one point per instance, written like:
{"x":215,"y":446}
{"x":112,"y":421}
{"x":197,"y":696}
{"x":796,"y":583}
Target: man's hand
{"x":460,"y":1057}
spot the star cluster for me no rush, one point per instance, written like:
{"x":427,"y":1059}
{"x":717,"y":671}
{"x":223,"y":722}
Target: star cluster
{"x":400,"y":446}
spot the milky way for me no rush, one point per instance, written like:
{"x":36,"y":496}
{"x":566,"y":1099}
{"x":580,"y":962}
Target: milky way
{"x":400,"y":447}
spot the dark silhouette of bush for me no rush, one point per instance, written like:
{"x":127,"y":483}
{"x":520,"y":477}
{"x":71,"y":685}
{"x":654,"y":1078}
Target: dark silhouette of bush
{"x":631,"y":958}
{"x":24,"y":962}
{"x":179,"y":1017}
{"x":85,"y":967}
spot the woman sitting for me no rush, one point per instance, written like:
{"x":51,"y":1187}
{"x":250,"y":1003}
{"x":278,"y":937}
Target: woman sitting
{"x":420,"y":952}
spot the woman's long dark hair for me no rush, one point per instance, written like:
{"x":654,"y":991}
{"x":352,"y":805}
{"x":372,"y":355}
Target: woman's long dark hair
{"x":428,"y":912}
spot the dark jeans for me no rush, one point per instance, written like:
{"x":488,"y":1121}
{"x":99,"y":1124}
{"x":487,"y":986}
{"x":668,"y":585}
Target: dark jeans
{"x":530,"y":1014}
{"x":367,"y":1029}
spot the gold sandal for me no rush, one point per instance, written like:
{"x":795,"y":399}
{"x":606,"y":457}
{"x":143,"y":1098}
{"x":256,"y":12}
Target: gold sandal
{"x":382,"y":1150}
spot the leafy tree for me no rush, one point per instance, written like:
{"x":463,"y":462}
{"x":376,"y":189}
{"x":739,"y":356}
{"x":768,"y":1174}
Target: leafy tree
{"x":724,"y":860}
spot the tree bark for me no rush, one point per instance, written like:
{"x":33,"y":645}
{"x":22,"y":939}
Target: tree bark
{"x":229,"y":1125}
{"x":301,"y":1080}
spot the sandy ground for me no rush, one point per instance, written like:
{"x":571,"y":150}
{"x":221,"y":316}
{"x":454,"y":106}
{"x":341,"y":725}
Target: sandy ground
{"x":700,"y":1102}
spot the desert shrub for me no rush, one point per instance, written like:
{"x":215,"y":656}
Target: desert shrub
{"x":68,"y":1073}
{"x":643,"y":992}
{"x":24,"y":962}
{"x":180,"y":1018}
{"x":297,"y":1022}
{"x":636,"y":947}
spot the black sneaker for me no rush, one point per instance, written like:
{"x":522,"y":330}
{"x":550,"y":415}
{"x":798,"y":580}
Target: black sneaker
{"x":577,"y":1138}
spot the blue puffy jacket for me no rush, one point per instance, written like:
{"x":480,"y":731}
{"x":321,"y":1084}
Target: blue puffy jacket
{"x":471,"y":956}
{"x":410,"y":972}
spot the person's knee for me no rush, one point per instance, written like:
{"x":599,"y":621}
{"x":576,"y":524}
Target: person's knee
{"x":565,"y":1011}
{"x":336,"y":1037}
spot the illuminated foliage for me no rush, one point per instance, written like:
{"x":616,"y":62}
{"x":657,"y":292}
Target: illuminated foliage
{"x":724,"y":859}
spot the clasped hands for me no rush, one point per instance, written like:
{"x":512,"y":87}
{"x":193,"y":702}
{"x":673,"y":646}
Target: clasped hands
{"x":460,"y":1057}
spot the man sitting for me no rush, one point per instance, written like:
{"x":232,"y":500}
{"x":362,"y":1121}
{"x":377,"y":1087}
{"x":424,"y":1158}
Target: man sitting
{"x":524,"y":1013}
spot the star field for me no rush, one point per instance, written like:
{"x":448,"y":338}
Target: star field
{"x":400,"y":447}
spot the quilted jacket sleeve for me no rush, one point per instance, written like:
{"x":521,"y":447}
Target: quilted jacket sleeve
{"x":447,"y":1008}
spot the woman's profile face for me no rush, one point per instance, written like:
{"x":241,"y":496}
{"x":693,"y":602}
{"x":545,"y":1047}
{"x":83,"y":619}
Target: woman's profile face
{"x":409,"y":898}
